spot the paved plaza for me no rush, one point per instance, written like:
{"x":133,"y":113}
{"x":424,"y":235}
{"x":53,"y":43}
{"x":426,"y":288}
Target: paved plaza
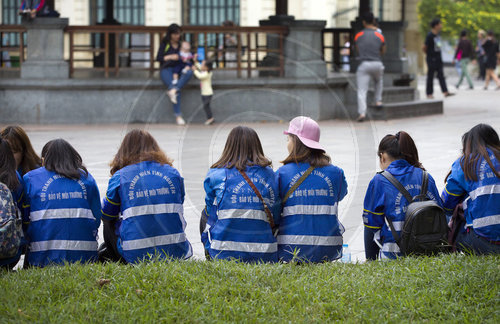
{"x":351,"y":145}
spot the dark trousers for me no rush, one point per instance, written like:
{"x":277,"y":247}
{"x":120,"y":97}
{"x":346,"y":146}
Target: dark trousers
{"x":110,"y":239}
{"x":371,"y":248}
{"x":481,"y":60}
{"x":206,"y":105}
{"x":434,"y":66}
{"x":469,"y":241}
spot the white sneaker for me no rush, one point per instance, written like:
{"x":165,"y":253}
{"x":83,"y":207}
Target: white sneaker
{"x":172,"y":95}
{"x":180,"y":121}
{"x":209,"y":121}
{"x":174,"y":82}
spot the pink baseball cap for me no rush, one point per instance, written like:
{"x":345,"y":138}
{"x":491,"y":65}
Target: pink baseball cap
{"x":307,"y":130}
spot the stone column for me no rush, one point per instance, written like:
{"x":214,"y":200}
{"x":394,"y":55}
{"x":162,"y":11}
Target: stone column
{"x":302,"y":47}
{"x":393,"y":59}
{"x":45,"y":59}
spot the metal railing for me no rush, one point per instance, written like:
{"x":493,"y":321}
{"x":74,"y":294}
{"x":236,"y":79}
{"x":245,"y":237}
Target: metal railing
{"x":337,"y":54}
{"x":9,"y":52}
{"x":117,"y":48}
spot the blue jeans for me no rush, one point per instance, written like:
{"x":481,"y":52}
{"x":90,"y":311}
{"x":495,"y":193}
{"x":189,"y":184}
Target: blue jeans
{"x":471,"y":242}
{"x":166,"y":76}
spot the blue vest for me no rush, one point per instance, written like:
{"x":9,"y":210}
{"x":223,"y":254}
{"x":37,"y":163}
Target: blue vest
{"x":64,"y":216}
{"x":238,"y":227}
{"x":150,"y":198}
{"x":309,"y":226}
{"x":383,"y":201}
{"x":481,"y":198}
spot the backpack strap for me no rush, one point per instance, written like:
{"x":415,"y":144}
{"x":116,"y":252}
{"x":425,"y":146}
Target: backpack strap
{"x":405,"y":193}
{"x":297,"y":184}
{"x":423,"y":191}
{"x":257,"y":192}
{"x":398,"y":185}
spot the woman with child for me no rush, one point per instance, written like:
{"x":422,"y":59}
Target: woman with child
{"x":169,"y":56}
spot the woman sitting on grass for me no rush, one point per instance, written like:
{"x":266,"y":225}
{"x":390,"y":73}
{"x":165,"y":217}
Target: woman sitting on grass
{"x":475,"y":182}
{"x":399,"y":156}
{"x":242,"y":202}
{"x":63,"y":208}
{"x":143,"y":211}
{"x":310,"y":230}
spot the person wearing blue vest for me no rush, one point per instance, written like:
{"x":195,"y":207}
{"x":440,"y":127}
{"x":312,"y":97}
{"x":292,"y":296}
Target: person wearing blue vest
{"x":310,"y":230}
{"x":63,"y":208}
{"x":143,"y":209}
{"x":242,"y":202}
{"x":10,"y":178}
{"x":398,"y":155}
{"x":475,"y":182}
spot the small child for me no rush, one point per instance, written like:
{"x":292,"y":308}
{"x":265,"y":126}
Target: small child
{"x":185,"y":61}
{"x":203,"y":72}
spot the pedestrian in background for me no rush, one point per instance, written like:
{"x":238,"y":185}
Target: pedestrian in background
{"x":432,"y":49}
{"x":203,"y":72}
{"x":491,"y":51}
{"x":464,"y":50}
{"x":480,"y":55}
{"x":370,"y":45}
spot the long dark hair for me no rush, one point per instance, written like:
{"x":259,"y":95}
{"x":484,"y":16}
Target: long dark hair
{"x":8,"y":174}
{"x":474,"y":144}
{"x":20,"y":142}
{"x":62,"y":158}
{"x":138,"y":146}
{"x":172,"y":29}
{"x":302,"y":153}
{"x":243,"y":148}
{"x":400,"y":146}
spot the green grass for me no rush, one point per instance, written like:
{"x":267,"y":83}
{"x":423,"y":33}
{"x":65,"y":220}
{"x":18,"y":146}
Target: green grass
{"x":454,"y":288}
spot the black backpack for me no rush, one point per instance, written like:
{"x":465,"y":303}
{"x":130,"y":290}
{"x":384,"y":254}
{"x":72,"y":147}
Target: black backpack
{"x":425,"y":230}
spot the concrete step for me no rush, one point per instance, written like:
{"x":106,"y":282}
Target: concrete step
{"x":406,"y":109}
{"x":394,"y":94}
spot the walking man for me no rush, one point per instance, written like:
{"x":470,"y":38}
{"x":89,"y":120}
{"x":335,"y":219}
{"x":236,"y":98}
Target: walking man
{"x":432,"y":48}
{"x":370,"y":45}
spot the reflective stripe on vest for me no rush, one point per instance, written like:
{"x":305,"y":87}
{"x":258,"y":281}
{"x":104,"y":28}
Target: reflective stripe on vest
{"x":310,"y":240}
{"x":398,"y":226}
{"x":484,"y":190}
{"x":242,"y":214}
{"x":486,"y":221}
{"x":61,"y":213}
{"x":153,"y":241}
{"x":391,"y":249}
{"x":244,"y":246}
{"x":63,"y":245}
{"x":310,"y":210}
{"x":152,"y":210}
